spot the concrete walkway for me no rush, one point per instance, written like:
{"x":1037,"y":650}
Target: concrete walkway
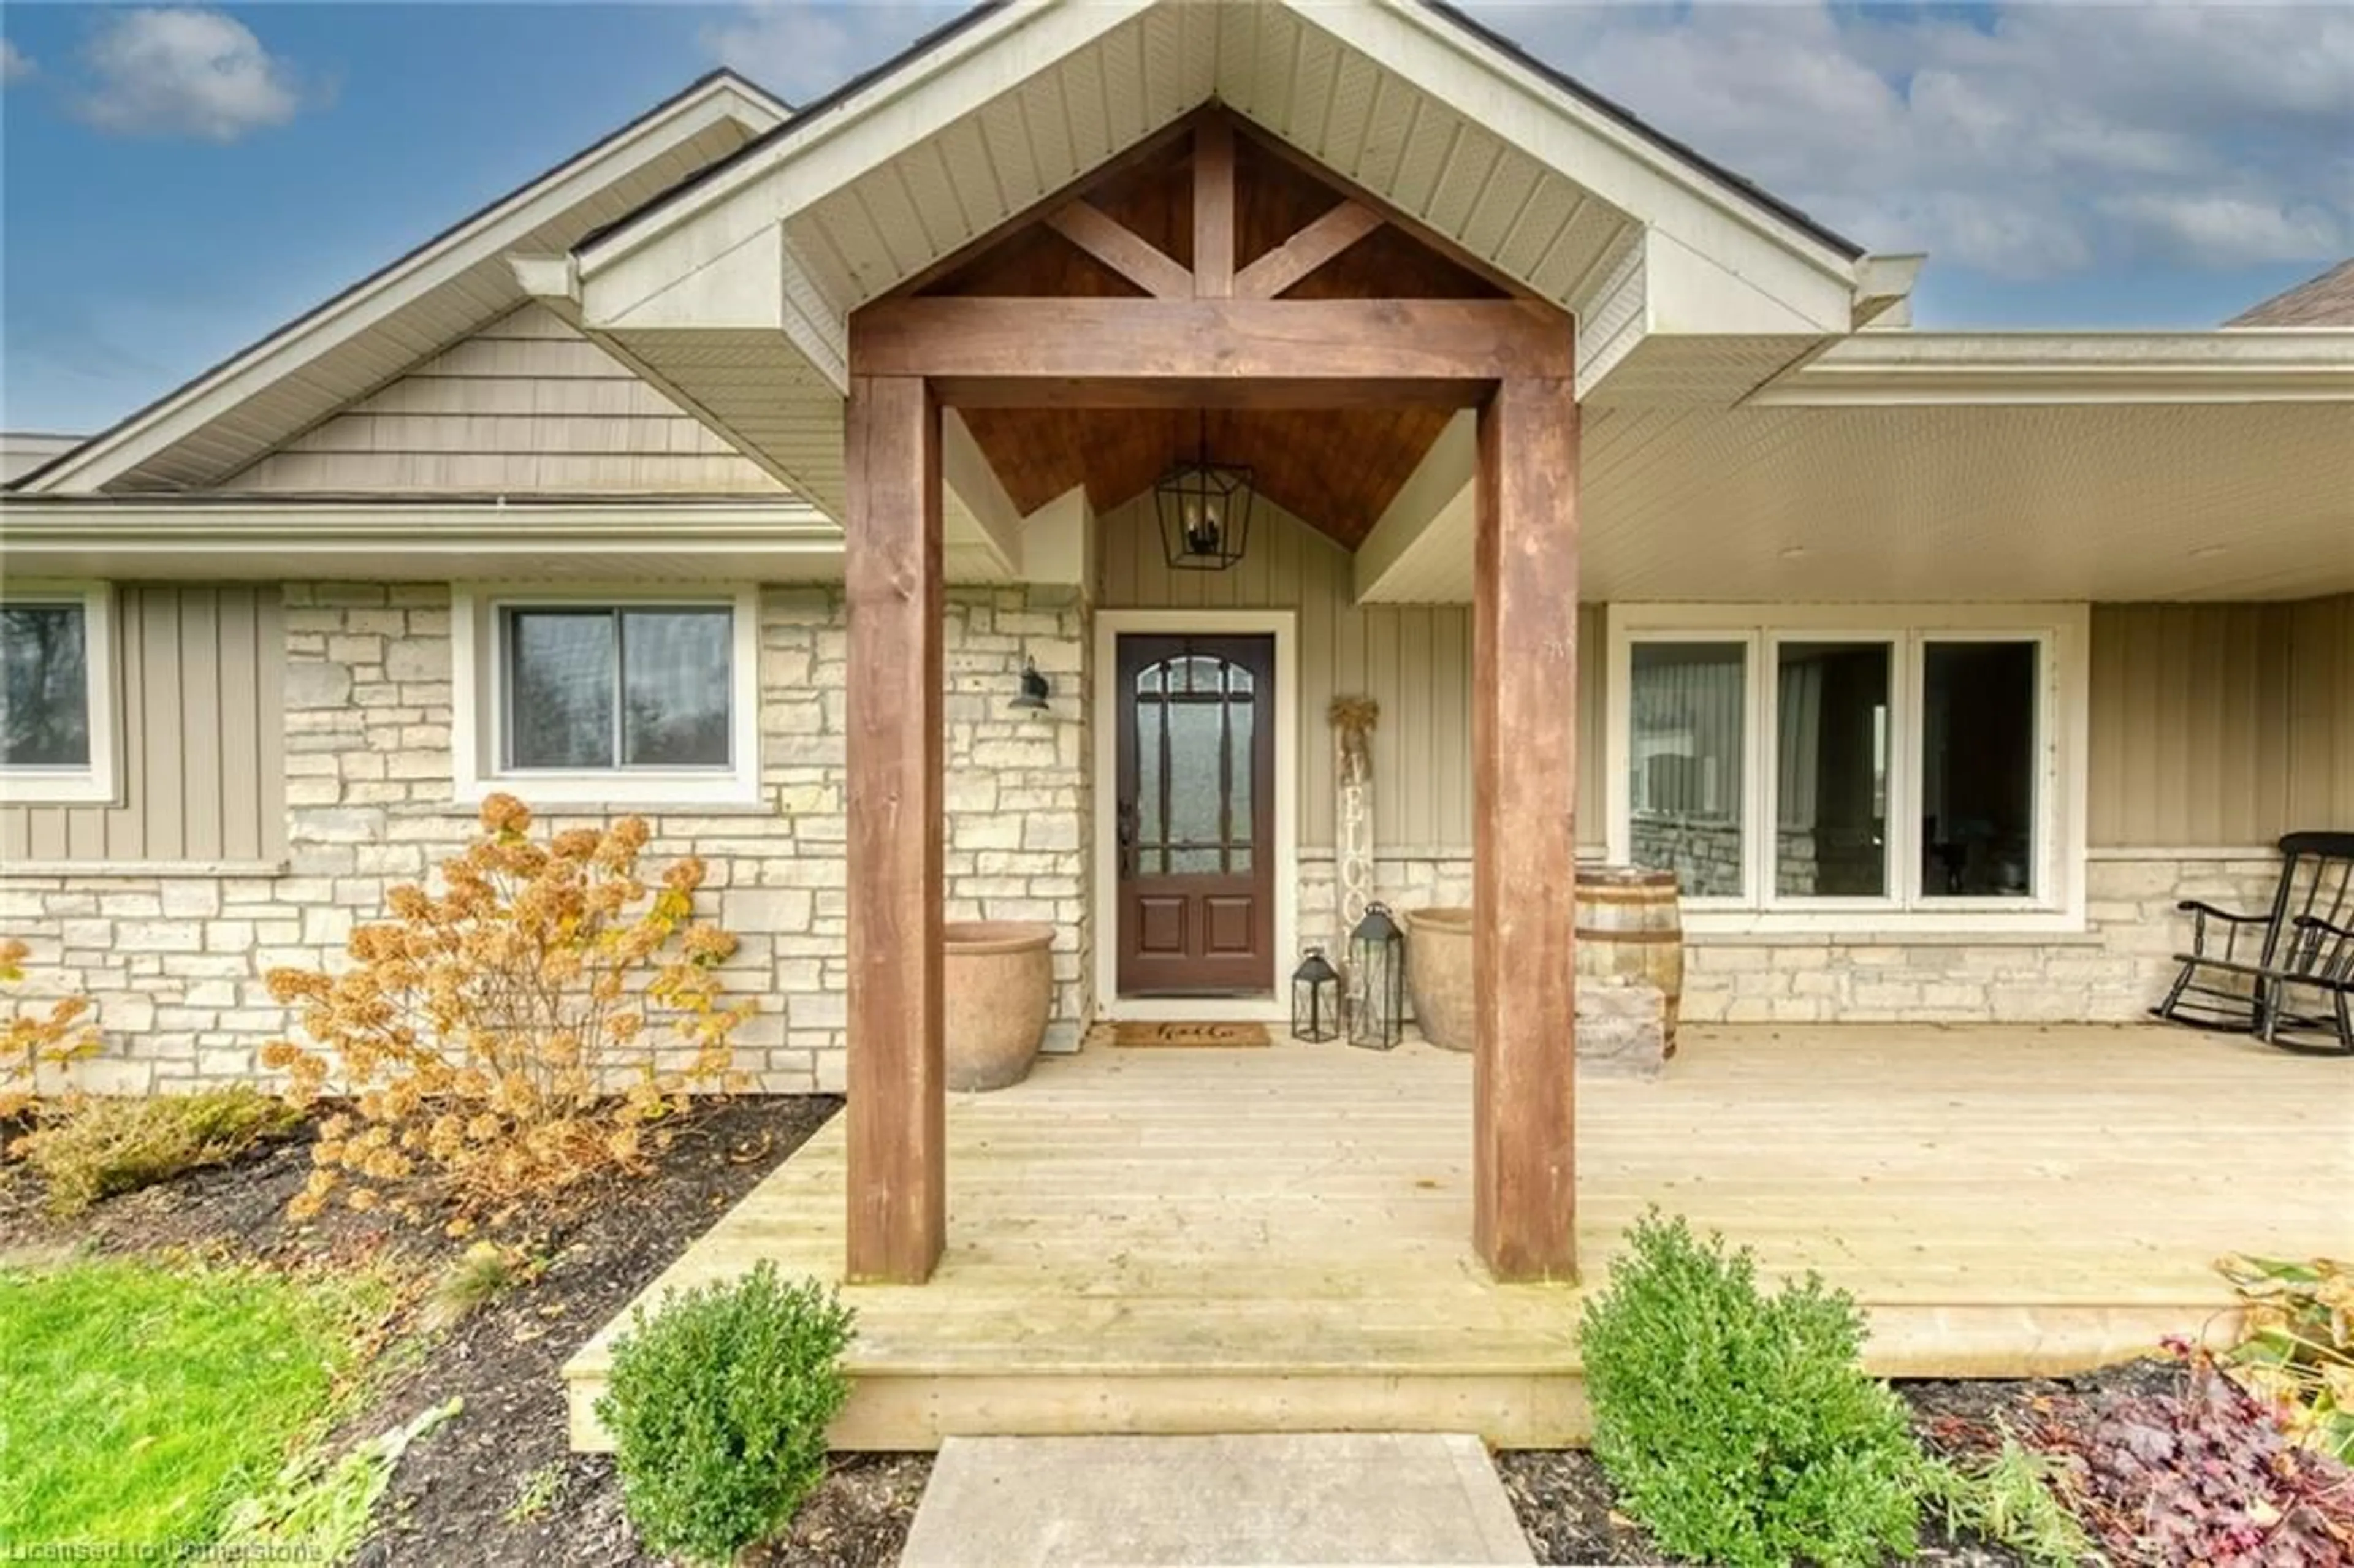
{"x":1215,"y":1502}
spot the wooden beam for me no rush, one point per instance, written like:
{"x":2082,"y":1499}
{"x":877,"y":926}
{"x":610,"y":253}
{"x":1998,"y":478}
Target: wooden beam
{"x":1523,"y":832}
{"x":1122,"y":249}
{"x":898,"y":1087}
{"x":1413,"y":227}
{"x":1307,"y":393}
{"x":1211,"y":340}
{"x":1313,"y":246}
{"x":1142,"y":153}
{"x":1214,"y":210}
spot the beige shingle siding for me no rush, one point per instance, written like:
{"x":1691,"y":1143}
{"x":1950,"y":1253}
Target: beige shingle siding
{"x":525,"y":407}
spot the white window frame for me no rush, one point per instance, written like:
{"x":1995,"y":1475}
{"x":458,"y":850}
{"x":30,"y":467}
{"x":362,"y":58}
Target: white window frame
{"x":99,"y":781}
{"x":2061,"y":634}
{"x":478,"y":707}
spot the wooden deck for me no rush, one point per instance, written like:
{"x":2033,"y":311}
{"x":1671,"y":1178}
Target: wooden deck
{"x":1249,"y":1240}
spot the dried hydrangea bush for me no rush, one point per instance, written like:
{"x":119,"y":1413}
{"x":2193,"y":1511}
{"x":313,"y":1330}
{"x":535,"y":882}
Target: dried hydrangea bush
{"x":527,"y":1024}
{"x":54,"y":1037}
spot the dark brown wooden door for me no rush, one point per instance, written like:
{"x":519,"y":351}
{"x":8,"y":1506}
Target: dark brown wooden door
{"x":1196,"y":815}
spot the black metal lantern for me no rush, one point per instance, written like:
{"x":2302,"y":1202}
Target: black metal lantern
{"x":1376,"y":981}
{"x":1206,"y":510}
{"x":1315,"y":998}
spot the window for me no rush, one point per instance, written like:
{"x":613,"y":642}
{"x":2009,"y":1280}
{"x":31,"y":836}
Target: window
{"x":1686,"y":708}
{"x":57,"y":723}
{"x":608,"y":699}
{"x":1797,"y":765}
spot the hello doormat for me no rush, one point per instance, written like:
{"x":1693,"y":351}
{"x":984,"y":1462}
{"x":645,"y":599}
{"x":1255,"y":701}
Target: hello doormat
{"x":1133,"y":1033}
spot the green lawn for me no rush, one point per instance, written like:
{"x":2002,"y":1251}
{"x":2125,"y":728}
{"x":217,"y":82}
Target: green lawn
{"x":137,"y":1402}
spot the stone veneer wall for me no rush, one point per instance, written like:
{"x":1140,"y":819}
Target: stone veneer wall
{"x":175,"y":960}
{"x":2110,"y":974}
{"x":1403,"y":879}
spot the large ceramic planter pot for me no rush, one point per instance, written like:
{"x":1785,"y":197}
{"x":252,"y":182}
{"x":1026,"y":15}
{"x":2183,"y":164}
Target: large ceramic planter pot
{"x":999,"y":991}
{"x":1438,"y":973}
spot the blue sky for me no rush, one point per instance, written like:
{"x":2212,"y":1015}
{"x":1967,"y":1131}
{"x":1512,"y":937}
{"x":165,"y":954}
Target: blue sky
{"x":177,"y":183}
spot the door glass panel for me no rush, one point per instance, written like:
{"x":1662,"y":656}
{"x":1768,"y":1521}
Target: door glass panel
{"x":1684,"y":760}
{"x":1241,"y":716}
{"x":1831,"y":769}
{"x":1193,"y":772}
{"x":1196,"y":721}
{"x":1148,"y":747}
{"x":1978,"y":748}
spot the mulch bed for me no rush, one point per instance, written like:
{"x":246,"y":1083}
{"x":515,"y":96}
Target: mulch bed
{"x":497,"y":1488}
{"x":1566,"y":1506}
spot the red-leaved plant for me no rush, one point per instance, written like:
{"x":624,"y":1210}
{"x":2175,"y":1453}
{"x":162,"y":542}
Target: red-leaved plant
{"x":2202,"y":1475}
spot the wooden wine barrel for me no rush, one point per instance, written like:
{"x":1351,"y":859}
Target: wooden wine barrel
{"x":1628,"y":923}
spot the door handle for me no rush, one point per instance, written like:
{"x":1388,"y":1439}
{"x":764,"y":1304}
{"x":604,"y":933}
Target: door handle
{"x":1127,"y":819}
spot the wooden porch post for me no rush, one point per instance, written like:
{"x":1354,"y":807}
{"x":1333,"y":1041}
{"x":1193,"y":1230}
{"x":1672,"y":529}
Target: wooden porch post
{"x":897,"y":1175}
{"x":1525,"y":840}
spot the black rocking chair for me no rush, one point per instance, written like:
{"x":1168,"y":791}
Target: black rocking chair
{"x":2260,"y":974}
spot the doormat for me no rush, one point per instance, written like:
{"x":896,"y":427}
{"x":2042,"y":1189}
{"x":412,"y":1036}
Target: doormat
{"x":1134,"y":1033}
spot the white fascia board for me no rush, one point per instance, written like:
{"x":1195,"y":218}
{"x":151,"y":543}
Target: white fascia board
{"x":1883,"y":287}
{"x":1440,"y":487}
{"x":993,"y":520}
{"x":1687,"y":292}
{"x":2228,"y":365}
{"x":243,"y":523}
{"x":956,"y":76}
{"x":489,"y":233}
{"x":741,"y":286}
{"x":1590,"y":148}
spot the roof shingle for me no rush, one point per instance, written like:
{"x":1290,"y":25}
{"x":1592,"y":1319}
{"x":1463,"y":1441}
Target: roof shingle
{"x":2325,"y":300}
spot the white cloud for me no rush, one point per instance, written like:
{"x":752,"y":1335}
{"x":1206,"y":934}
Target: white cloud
{"x":16,"y":65}
{"x":802,"y":50}
{"x":2029,"y":141}
{"x":185,"y":73}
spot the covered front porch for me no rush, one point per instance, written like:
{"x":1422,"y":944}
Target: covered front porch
{"x":1274,"y":1239}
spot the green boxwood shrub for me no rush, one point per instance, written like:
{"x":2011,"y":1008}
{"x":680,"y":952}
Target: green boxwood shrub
{"x":1740,"y":1427}
{"x":718,"y":1404}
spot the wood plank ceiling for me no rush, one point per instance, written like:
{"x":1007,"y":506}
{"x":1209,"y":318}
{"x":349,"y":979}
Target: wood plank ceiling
{"x":1338,"y":468}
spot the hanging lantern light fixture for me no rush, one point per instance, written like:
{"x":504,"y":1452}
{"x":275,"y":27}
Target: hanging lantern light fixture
{"x":1205,"y":510}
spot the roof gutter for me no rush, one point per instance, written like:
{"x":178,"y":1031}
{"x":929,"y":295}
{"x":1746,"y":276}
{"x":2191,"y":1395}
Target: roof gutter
{"x":316,"y":530}
{"x":1896,"y":369}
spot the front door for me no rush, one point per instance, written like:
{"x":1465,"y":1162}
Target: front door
{"x":1196,"y":815}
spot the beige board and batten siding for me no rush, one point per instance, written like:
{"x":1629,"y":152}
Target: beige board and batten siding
{"x":200,"y":732}
{"x":2220,"y":724}
{"x":526,"y":406}
{"x":1414,"y":660}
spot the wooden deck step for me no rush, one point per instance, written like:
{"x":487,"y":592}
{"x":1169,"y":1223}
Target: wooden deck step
{"x":1276,"y":1240}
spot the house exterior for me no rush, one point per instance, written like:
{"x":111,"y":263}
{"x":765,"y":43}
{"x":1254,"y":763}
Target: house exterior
{"x":1938,"y":665}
